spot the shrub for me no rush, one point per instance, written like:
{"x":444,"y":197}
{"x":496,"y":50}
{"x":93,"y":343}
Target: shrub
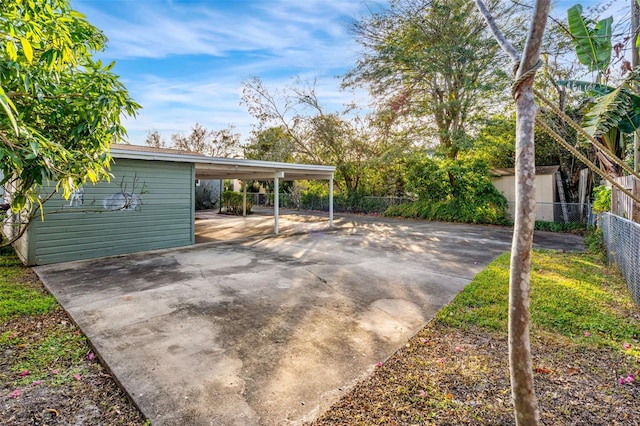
{"x":232,"y":202}
{"x":594,"y":242}
{"x":451,"y":210}
{"x":570,"y":227}
{"x":452,"y":191}
{"x":601,"y":199}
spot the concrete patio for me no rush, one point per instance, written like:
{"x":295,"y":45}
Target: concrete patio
{"x":253,"y":329}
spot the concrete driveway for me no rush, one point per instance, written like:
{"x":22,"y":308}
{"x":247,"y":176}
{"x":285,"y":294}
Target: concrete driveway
{"x":270,"y":330}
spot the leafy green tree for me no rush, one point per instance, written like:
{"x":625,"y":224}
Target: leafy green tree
{"x":614,"y":114}
{"x":60,"y":108}
{"x":271,"y":144}
{"x":495,"y":143}
{"x":429,"y":65}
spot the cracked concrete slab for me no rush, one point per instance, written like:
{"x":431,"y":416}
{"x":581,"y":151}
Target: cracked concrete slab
{"x":270,"y":331}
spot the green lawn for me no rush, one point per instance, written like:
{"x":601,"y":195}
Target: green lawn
{"x":42,"y":345}
{"x":572,"y":295}
{"x":19,"y":295}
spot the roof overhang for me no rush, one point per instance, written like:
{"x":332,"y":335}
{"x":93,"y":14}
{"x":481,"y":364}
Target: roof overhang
{"x":226,"y":168}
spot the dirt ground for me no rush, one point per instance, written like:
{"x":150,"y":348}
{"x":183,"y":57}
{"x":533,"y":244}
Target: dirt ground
{"x":464,"y":368}
{"x":449,"y":376}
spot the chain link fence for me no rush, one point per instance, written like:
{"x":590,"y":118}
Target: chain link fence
{"x":560,"y":213}
{"x":574,"y":213}
{"x":622,"y":241}
{"x":356,"y":204}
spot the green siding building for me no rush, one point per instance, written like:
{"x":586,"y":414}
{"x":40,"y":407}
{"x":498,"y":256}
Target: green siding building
{"x":146,"y":205}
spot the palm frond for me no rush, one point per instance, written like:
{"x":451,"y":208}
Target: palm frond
{"x":607,"y":112}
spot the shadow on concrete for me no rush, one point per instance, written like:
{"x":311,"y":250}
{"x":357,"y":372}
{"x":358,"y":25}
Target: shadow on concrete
{"x":270,"y":330}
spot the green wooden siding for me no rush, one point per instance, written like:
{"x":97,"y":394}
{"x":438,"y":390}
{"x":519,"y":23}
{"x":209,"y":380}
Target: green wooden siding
{"x":163,"y":218}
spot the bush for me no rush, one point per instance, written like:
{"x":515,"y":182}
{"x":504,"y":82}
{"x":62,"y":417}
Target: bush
{"x":594,"y":242}
{"x":601,"y":199}
{"x":570,"y":227}
{"x":232,"y":202}
{"x":451,"y":210}
{"x":452,"y":191}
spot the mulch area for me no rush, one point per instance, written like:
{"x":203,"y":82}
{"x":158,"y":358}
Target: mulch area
{"x":93,"y":399}
{"x":448,"y":376}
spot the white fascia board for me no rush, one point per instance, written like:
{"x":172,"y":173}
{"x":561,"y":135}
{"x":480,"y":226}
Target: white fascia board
{"x":222,"y":163}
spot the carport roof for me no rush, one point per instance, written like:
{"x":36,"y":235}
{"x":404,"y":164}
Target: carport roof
{"x":225,"y":168}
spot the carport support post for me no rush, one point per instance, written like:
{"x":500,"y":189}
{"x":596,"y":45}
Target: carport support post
{"x":244,"y":199}
{"x":331,"y":201}
{"x":220,"y":197}
{"x":276,"y":203}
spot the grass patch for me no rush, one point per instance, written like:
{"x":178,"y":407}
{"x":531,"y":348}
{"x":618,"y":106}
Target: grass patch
{"x":20,"y":293}
{"x":49,"y":348}
{"x":573,"y":295}
{"x":55,"y":358}
{"x":48,"y":372}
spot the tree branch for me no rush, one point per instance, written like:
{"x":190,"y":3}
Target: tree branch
{"x":499,"y":35}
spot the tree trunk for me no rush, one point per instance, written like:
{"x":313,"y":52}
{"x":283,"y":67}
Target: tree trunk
{"x":520,"y":364}
{"x":526,"y":408}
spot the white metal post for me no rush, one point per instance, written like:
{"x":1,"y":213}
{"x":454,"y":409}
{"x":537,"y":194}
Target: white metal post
{"x":244,"y":199}
{"x":276,"y":203}
{"x":331,"y":201}
{"x":220,"y":197}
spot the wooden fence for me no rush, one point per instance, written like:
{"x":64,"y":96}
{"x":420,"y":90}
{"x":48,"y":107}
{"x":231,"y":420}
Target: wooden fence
{"x":621,"y":204}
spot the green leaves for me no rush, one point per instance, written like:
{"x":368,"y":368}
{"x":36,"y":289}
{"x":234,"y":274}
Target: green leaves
{"x":614,"y":107}
{"x":26,"y":49}
{"x":62,"y":107}
{"x":9,"y":109}
{"x":607,"y":113}
{"x":593,"y":44}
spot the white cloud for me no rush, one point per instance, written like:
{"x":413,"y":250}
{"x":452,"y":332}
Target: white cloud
{"x":154,"y":42}
{"x":153,"y":29}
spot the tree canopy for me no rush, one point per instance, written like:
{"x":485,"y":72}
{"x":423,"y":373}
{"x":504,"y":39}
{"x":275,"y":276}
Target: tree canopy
{"x":307,"y":132}
{"x":430,"y":66}
{"x":60,"y":108}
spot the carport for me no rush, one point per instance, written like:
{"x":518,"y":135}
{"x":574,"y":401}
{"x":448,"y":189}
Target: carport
{"x":149,"y":203}
{"x":214,"y":168}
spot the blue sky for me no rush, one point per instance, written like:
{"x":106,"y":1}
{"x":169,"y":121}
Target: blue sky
{"x":184,"y":61}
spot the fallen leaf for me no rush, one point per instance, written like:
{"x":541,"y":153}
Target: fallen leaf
{"x":543,"y":370}
{"x":571,"y":371}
